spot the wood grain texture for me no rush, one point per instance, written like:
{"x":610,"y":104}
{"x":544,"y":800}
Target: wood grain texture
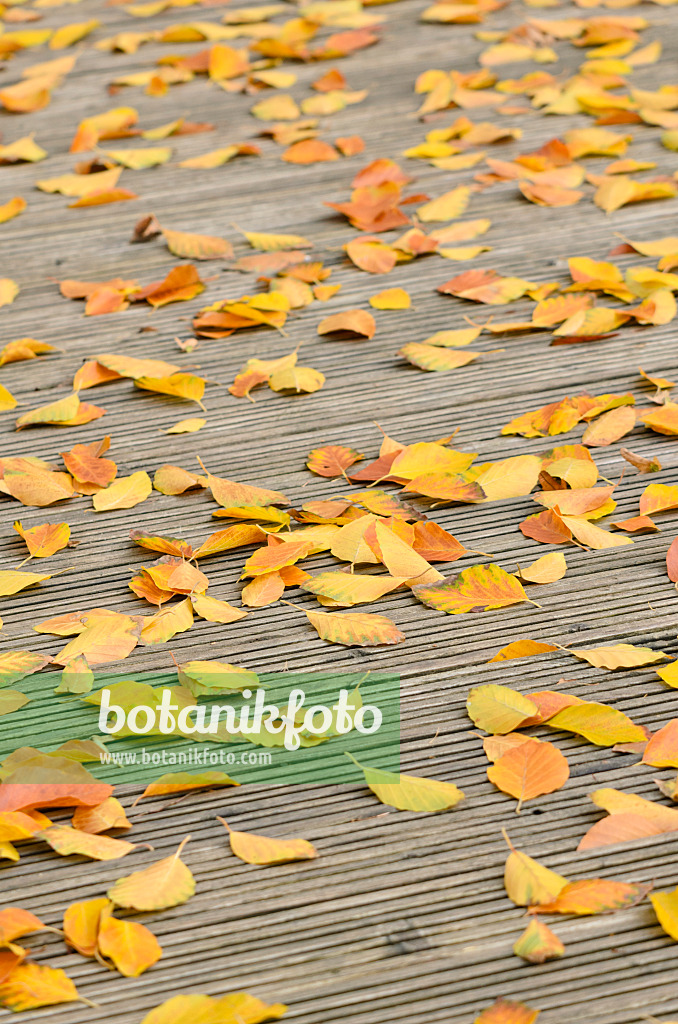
{"x":403,"y":917}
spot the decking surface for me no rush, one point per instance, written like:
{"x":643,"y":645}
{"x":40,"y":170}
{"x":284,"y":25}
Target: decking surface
{"x":403,"y":918}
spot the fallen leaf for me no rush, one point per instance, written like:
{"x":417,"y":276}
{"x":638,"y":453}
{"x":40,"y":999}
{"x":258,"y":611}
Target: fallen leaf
{"x":67,"y":841}
{"x":255,"y":849}
{"x":356,"y":322}
{"x":355,"y":629}
{"x":619,"y":656}
{"x":498,"y":709}
{"x":530,"y":770}
{"x":197,"y":247}
{"x":32,"y":985}
{"x":478,"y":588}
{"x":166,"y":883}
{"x":43,"y":541}
{"x":502,"y":1011}
{"x":538,"y":944}
{"x":598,"y":723}
{"x":125,"y":492}
{"x":547,"y":569}
{"x":130,"y":945}
{"x":411,"y":792}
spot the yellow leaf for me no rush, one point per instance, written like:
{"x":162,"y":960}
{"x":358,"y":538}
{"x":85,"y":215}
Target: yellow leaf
{"x":598,"y":723}
{"x":665,"y":905}
{"x":178,"y":385}
{"x":12,"y":580}
{"x":528,"y":883}
{"x":81,"y":924}
{"x":9,"y":290}
{"x":399,"y":556}
{"x":61,"y":411}
{"x":79,"y":185}
{"x":510,"y":478}
{"x":22,"y":150}
{"x":446,"y":207}
{"x":167,"y":623}
{"x":66,"y":841}
{"x":107,"y":125}
{"x":538,"y":944}
{"x":669,"y":674}
{"x":391,"y":298}
{"x":346,"y":589}
{"x":67,"y":35}
{"x":167,"y":883}
{"x":435,"y":358}
{"x":454,"y":339}
{"x":296,"y":378}
{"x":619,"y":656}
{"x":140,"y":159}
{"x":218,"y":157}
{"x":125,"y":492}
{"x":498,"y":709}
{"x":411,"y":792}
{"x":546,"y":569}
{"x":183,"y":782}
{"x":276,"y":108}
{"x":592,"y":536}
{"x":186,"y":426}
{"x":255,"y":849}
{"x":478,"y":588}
{"x":7,"y":399}
{"x":274,"y":243}
{"x":101,"y":638}
{"x":12,"y":209}
{"x":355,"y":629}
{"x":236,"y":1008}
{"x":592,"y":323}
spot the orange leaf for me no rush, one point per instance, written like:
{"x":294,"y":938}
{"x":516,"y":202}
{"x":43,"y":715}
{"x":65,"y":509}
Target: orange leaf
{"x":595,"y":896}
{"x":81,"y":924}
{"x":102,"y":817}
{"x":263,"y":590}
{"x":310,"y":151}
{"x":662,"y":749}
{"x":529,"y":770}
{"x":619,"y":828}
{"x":16,"y":922}
{"x":130,"y":945}
{"x":505,"y":1011}
{"x":43,"y":541}
{"x":356,"y":322}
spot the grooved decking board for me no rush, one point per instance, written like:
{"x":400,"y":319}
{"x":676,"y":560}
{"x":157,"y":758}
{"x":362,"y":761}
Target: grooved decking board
{"x":403,"y":917}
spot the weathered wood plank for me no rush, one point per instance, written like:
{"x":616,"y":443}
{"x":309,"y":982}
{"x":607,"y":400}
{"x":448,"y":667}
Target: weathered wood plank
{"x":402,"y":917}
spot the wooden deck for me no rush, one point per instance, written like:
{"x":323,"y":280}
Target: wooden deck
{"x":403,"y":918}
